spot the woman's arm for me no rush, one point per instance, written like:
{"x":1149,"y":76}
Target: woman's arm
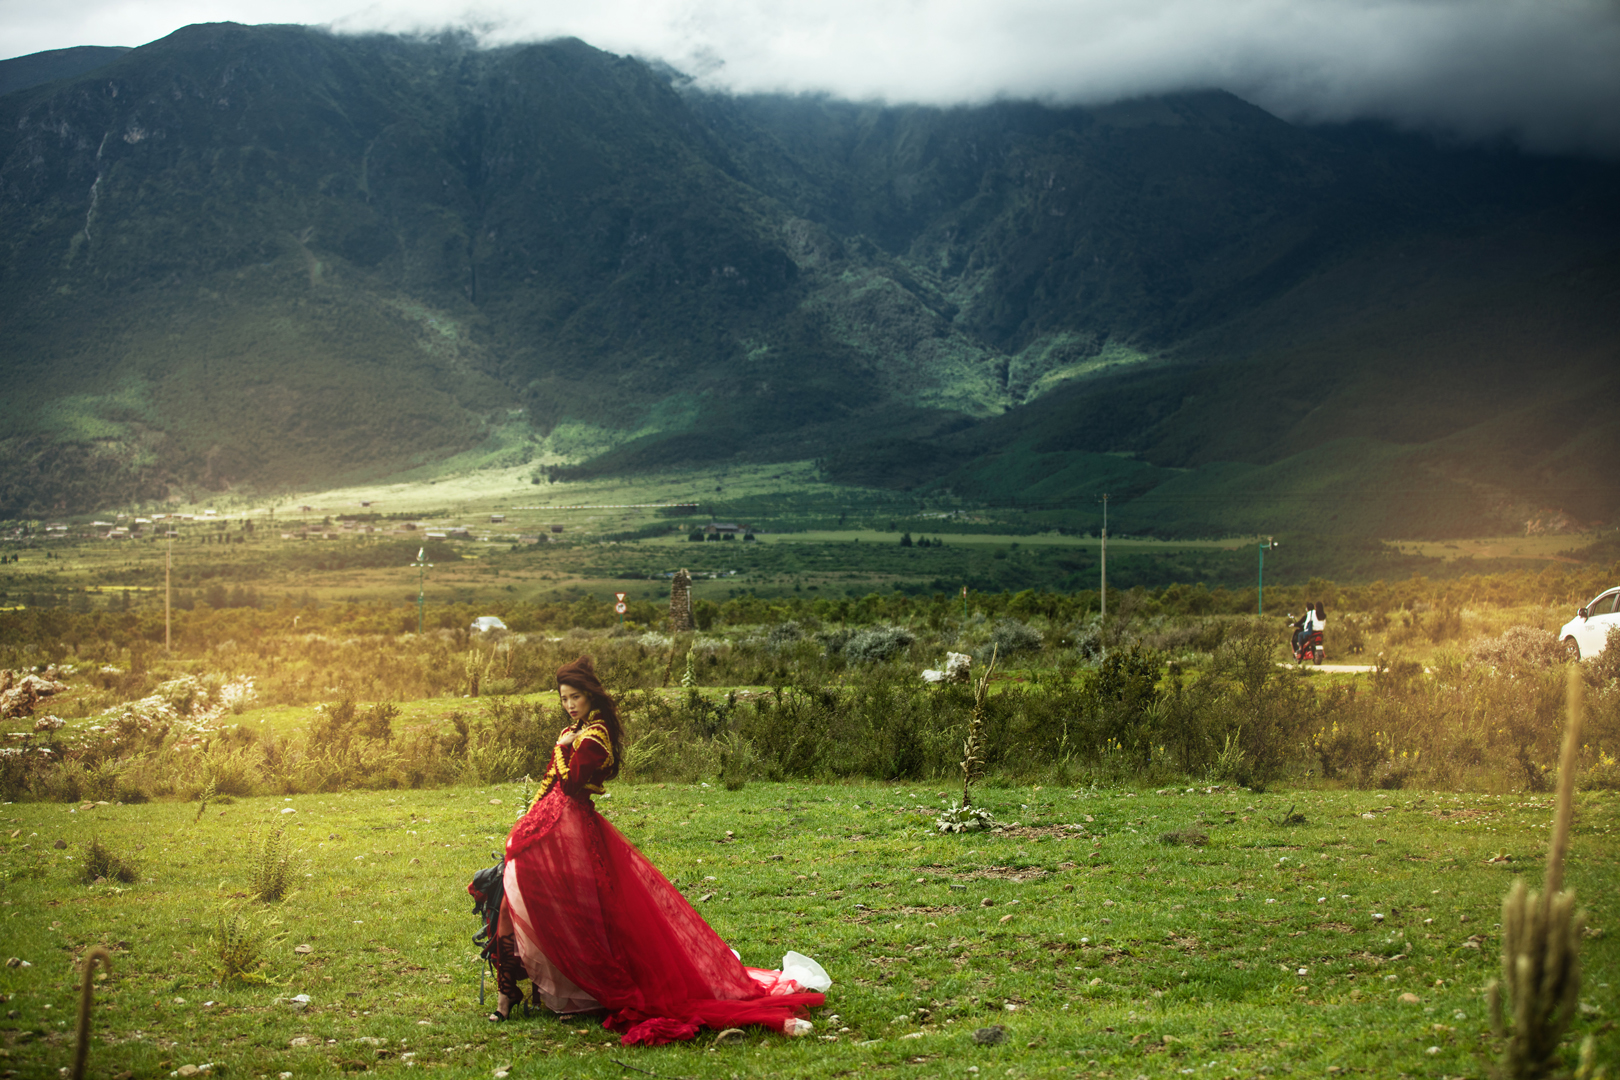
{"x":585,"y":768}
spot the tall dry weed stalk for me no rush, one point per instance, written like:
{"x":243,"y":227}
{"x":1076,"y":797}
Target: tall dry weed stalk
{"x":973,"y":748}
{"x":1541,"y":934}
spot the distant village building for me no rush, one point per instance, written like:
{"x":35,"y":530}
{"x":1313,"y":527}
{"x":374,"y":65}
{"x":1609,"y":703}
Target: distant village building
{"x":556,"y":528}
{"x":496,"y":519}
{"x":458,"y":533}
{"x":715,"y":528}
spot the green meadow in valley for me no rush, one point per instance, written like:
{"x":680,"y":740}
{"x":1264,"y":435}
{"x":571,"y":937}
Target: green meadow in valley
{"x":1111,"y":932}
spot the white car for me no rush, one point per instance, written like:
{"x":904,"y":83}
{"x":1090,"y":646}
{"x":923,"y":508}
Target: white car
{"x":487,"y":622}
{"x":1587,"y":633}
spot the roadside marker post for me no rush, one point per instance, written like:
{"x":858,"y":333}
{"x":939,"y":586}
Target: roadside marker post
{"x":1266,"y":546}
{"x":422,"y":567}
{"x":620,"y":606}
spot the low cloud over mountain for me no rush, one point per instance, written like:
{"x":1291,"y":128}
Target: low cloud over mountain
{"x":1542,"y":74}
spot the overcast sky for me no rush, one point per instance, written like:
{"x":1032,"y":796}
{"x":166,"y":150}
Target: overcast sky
{"x":1542,"y":73}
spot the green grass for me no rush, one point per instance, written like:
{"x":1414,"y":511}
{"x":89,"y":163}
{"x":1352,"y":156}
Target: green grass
{"x":1110,"y":946}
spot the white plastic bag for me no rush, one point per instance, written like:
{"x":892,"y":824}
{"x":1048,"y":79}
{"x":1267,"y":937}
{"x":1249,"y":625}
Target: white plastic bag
{"x":806,"y":972}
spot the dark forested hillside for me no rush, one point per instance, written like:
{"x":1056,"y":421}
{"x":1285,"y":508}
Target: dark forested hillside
{"x":267,"y":256}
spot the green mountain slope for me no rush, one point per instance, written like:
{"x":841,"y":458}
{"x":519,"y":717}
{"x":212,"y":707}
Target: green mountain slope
{"x":36,"y":69}
{"x":265,"y":257}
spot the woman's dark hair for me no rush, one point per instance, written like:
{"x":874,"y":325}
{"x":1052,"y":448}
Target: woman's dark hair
{"x":581,"y":675}
{"x":1321,"y":612}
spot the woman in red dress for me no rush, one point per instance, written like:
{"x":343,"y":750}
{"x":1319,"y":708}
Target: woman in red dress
{"x":595,"y":926}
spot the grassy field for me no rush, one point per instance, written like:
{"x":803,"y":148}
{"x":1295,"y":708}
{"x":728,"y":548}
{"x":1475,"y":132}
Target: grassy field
{"x":1358,"y":940}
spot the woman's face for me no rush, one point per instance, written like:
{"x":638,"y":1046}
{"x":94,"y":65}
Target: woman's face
{"x":575,"y":702}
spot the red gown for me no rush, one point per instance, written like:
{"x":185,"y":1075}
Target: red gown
{"x":597,"y":926}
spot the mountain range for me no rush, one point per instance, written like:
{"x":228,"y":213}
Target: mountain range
{"x":265,"y":258}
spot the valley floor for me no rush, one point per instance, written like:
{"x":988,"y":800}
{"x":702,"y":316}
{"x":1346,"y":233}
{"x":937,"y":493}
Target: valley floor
{"x":1359,"y":940}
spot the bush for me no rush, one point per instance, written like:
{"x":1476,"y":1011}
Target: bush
{"x":1267,"y":705}
{"x":1604,"y":668}
{"x":100,"y":864}
{"x":1518,"y":649}
{"x":271,"y":870}
{"x":877,"y":644}
{"x":1008,"y":637}
{"x":239,"y":945}
{"x":783,"y":635}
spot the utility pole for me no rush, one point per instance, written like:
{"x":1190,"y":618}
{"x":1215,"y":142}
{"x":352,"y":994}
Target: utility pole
{"x":168,"y":558}
{"x":1105,"y":558}
{"x":1265,"y":547}
{"x":422,"y":567}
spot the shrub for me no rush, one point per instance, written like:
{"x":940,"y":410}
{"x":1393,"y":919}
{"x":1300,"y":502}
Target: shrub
{"x":271,"y":868}
{"x":101,"y":864}
{"x":183,"y":694}
{"x":877,"y":644}
{"x":1604,"y":668}
{"x":783,"y":635}
{"x":1009,"y":637}
{"x":1267,"y":705}
{"x":1087,"y":639}
{"x":1517,"y":649}
{"x":239,"y":943}
{"x":1125,"y":689}
{"x":378,"y":721}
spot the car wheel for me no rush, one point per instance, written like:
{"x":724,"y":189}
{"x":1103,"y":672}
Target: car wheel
{"x":1572,"y":649}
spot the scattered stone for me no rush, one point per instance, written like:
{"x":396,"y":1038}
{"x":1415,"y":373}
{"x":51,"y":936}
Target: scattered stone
{"x":303,"y":950}
{"x":731,"y":1037}
{"x":994,"y":1035}
{"x":60,"y":845}
{"x":1408,"y":998}
{"x":1006,"y":918}
{"x":987,"y":902}
{"x":20,"y":699}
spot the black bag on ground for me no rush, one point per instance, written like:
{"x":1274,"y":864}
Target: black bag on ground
{"x":488,"y":889}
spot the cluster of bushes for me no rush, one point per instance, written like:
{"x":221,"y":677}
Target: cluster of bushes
{"x":1143,"y":695}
